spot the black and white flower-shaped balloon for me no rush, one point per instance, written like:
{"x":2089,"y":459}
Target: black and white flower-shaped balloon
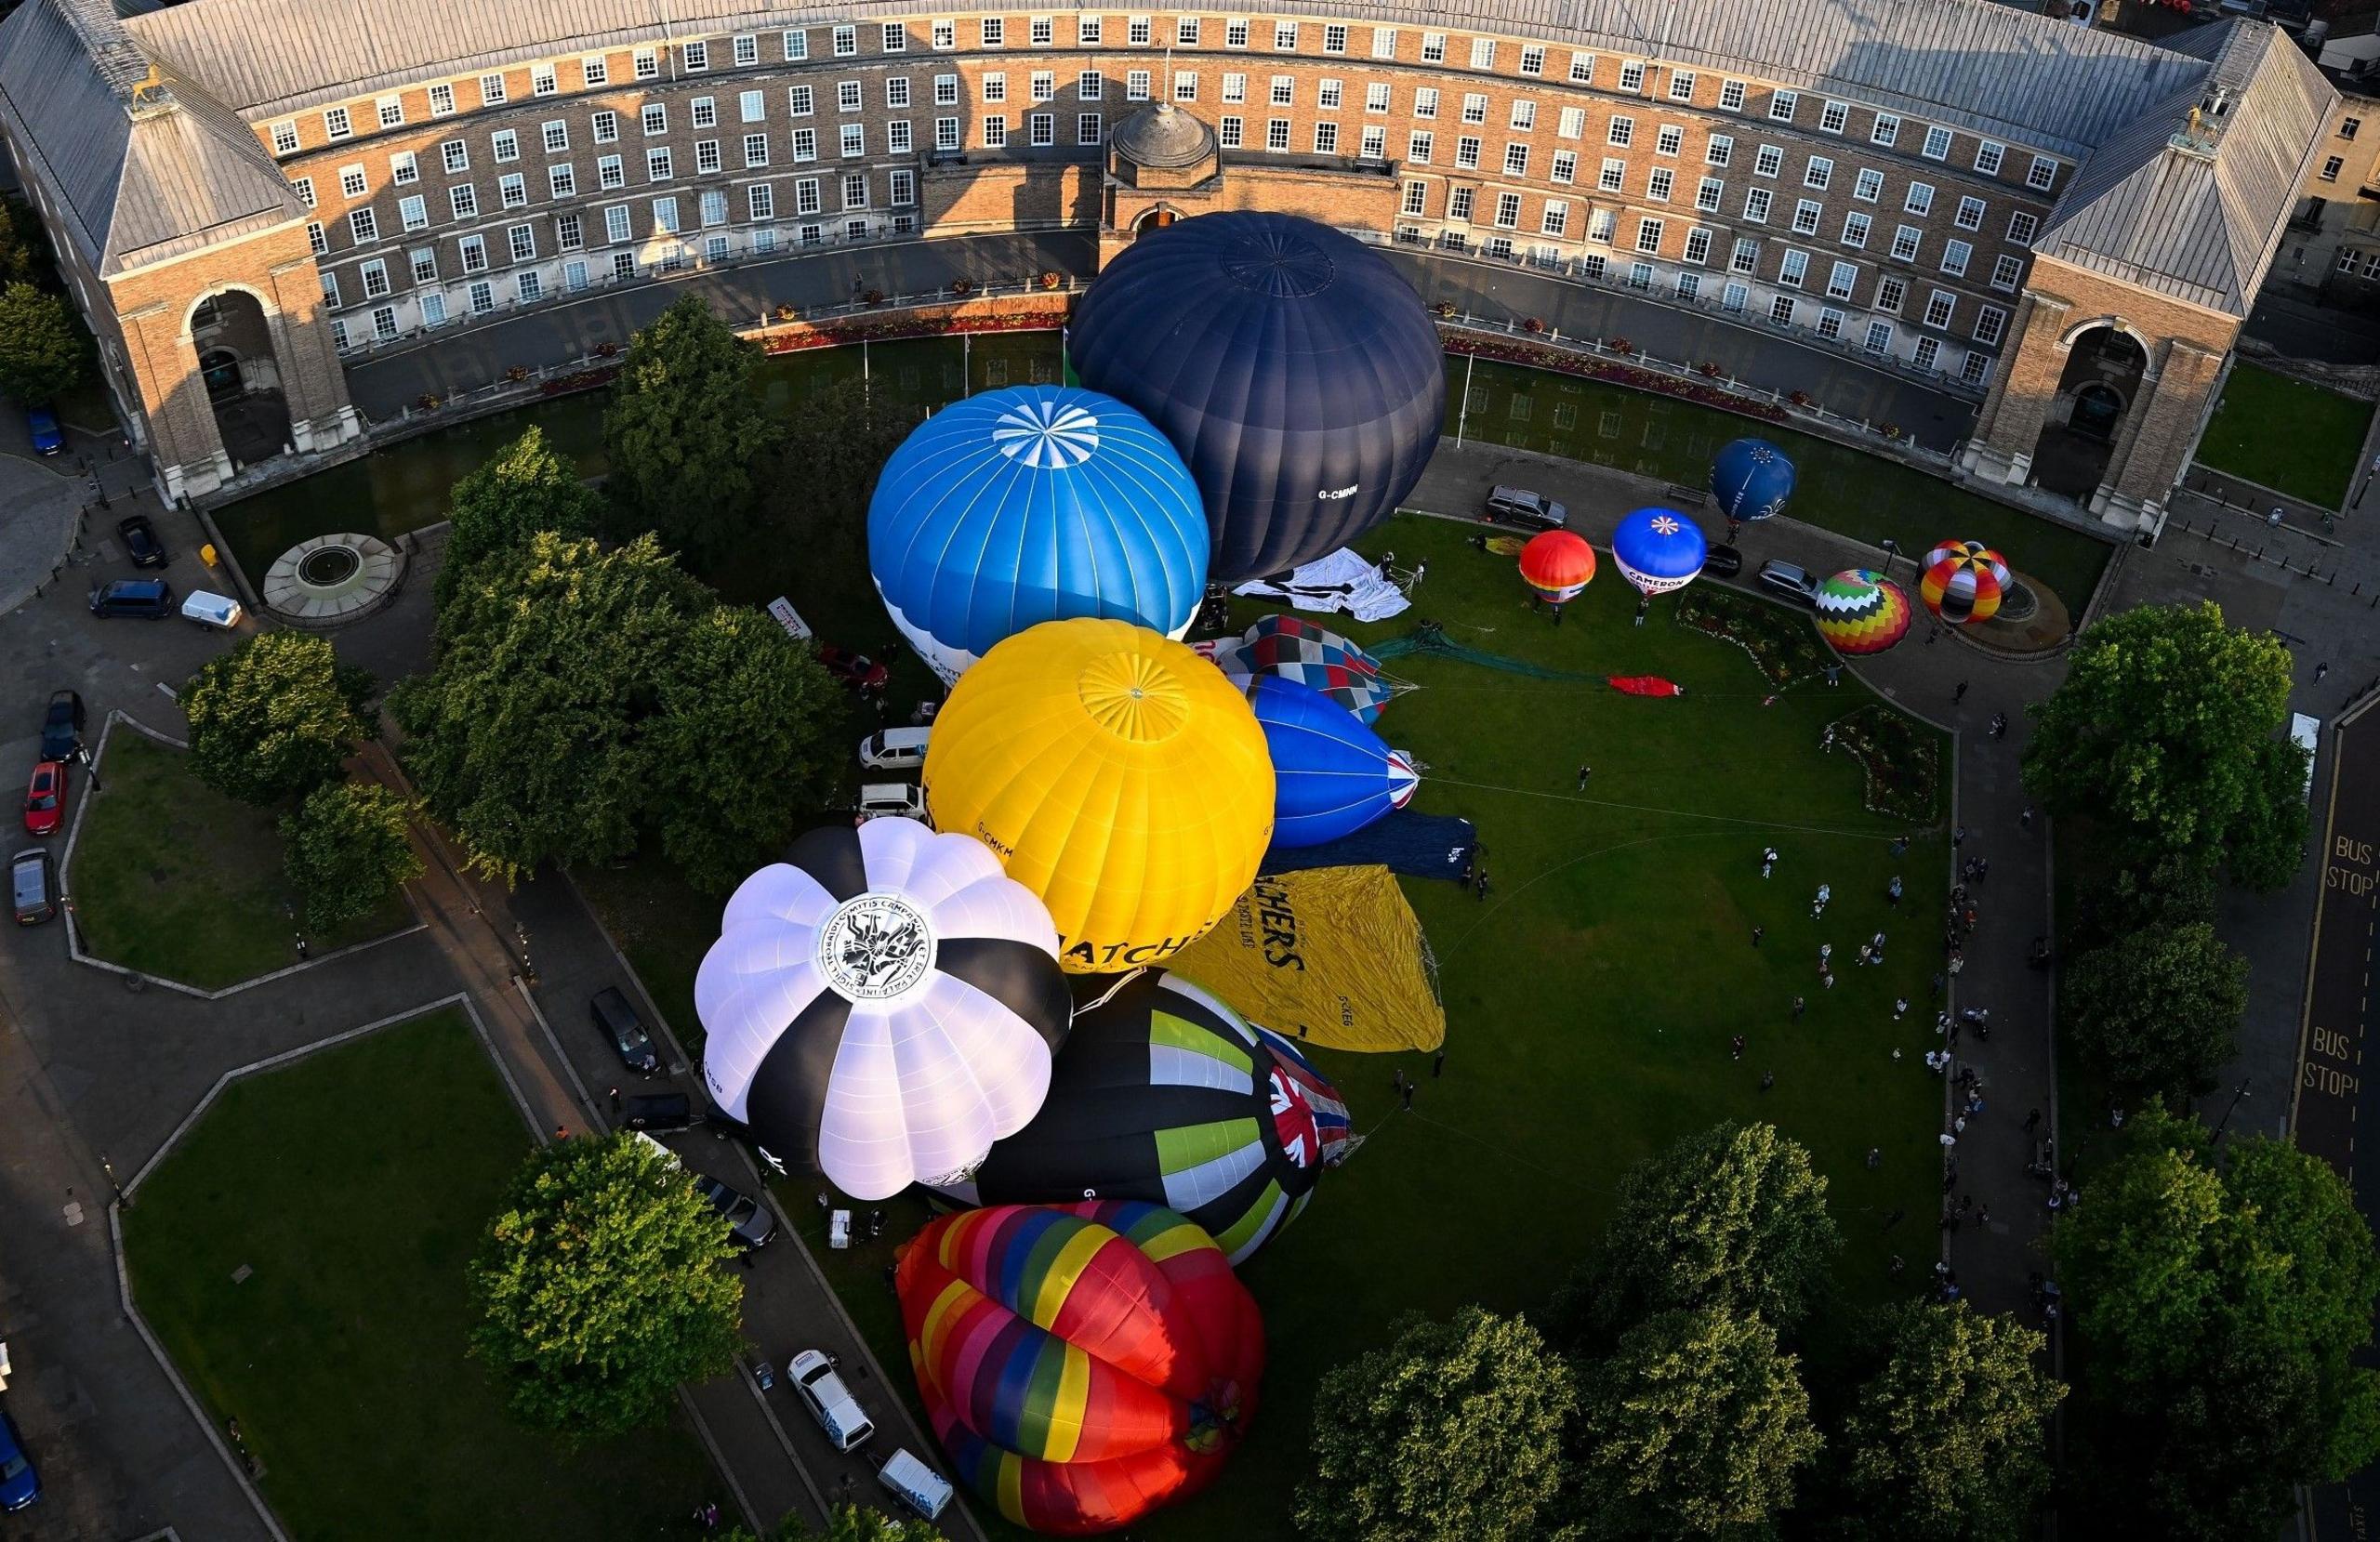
{"x":881,"y":1006}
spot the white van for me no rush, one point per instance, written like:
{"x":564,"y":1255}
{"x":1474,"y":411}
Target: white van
{"x":219,"y":610}
{"x":891,"y":800}
{"x":915,"y":1484}
{"x":894,"y":748}
{"x":830,"y":1402}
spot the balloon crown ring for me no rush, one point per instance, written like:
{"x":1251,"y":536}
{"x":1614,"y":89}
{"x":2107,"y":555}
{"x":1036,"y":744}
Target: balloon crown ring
{"x":877,"y":947}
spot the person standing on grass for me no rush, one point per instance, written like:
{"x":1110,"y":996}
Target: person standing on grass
{"x":1892,"y":890}
{"x":1818,"y":907}
{"x":1584,"y":772}
{"x":1737,"y":1046}
{"x":1758,"y":933}
{"x":1800,"y":1005}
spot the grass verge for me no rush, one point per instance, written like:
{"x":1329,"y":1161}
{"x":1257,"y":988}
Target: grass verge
{"x":2286,"y":435}
{"x":352,"y":1187}
{"x":174,"y":879}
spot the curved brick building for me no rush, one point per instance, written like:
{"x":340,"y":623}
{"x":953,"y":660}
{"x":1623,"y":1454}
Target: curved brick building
{"x":243,"y":192}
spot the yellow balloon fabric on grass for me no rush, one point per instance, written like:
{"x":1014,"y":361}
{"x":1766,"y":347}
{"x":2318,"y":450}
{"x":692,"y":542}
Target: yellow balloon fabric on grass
{"x":1121,"y":777}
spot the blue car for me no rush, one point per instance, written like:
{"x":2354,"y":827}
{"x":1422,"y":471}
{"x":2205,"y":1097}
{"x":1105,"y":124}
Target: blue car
{"x":20,"y":1484}
{"x":48,"y":438}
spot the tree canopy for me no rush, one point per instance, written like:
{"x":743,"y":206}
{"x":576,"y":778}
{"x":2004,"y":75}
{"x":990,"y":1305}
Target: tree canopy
{"x":2166,"y":729}
{"x":274,"y":716}
{"x":2157,"y":1009}
{"x":43,"y":350}
{"x":687,"y":436}
{"x":524,"y":489}
{"x":600,"y":1289}
{"x":580,"y":695}
{"x":2208,"y":1290}
{"x":1696,"y":1422}
{"x":347,"y":852}
{"x":847,"y":1523}
{"x":1451,"y":1433}
{"x":1946,"y":1442}
{"x":1733,"y":1217}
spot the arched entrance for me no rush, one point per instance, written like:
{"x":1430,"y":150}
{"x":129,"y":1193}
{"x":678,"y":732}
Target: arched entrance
{"x":1155,"y":219}
{"x":241,"y":371}
{"x":2096,"y":393}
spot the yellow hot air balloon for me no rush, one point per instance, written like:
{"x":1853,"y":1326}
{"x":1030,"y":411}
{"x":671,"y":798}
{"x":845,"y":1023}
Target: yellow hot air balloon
{"x":1121,"y":777}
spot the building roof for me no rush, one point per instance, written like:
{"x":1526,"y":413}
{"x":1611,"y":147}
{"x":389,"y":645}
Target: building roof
{"x":1988,"y":67}
{"x":2190,"y":199}
{"x":141,"y":164}
{"x":1161,"y":136}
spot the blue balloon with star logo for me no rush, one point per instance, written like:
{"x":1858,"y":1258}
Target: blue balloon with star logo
{"x":1659,"y":550}
{"x":1037,"y":503}
{"x":1751,"y":479}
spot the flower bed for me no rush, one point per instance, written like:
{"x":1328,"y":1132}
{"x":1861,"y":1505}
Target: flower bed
{"x":1780,"y":644}
{"x":579,"y":380}
{"x":934,"y":324}
{"x":1588,"y":366}
{"x":1902,"y":765}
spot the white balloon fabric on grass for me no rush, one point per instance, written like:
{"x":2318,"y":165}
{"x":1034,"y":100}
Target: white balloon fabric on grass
{"x":881,"y":1006}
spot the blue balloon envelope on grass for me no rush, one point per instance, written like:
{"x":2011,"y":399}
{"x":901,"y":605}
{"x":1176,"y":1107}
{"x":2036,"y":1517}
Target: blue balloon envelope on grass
{"x":1039,"y":503}
{"x":1331,"y":775}
{"x":1659,"y":550}
{"x":1751,"y":479}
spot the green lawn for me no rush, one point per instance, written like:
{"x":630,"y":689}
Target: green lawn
{"x":1590,"y":1001}
{"x":174,"y":879}
{"x":1836,"y":487}
{"x":354,"y":1185}
{"x":2284,"y":434}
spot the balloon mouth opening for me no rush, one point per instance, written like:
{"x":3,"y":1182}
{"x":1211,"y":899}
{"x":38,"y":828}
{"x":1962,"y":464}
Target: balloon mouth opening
{"x":878,"y":947}
{"x":1215,"y":1421}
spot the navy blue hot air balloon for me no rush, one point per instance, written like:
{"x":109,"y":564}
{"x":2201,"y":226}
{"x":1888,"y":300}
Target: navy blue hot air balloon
{"x":1040,"y":503}
{"x":1331,"y":775}
{"x":1295,"y":370}
{"x":1751,"y":479}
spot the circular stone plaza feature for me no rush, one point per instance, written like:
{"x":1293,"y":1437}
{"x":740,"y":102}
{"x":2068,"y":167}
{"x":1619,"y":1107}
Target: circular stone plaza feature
{"x":331,"y":580}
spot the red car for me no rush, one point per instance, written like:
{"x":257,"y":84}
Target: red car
{"x":45,"y":799}
{"x":856,"y":670}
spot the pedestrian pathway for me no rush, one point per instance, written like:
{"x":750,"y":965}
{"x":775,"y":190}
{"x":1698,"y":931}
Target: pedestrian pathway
{"x":1942,"y":679}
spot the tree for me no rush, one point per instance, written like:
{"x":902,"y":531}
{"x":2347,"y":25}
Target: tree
{"x":1451,"y":1433}
{"x":348,"y":853}
{"x":44,"y":351}
{"x":2156,"y":1011}
{"x":2173,"y":889}
{"x":1733,"y":1216}
{"x":835,"y":441}
{"x":1695,"y":1423}
{"x":524,"y":489}
{"x":1946,"y":1441}
{"x":2166,"y":728}
{"x":599,"y":1288}
{"x":744,"y":721}
{"x":2223,"y":1305}
{"x":274,"y":716}
{"x":525,"y":733}
{"x":847,"y":1523}
{"x":688,"y":436}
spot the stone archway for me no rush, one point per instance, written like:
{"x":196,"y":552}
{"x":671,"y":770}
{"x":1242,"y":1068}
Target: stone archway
{"x":2097,"y":393}
{"x":236,"y":343}
{"x":1157,"y":218}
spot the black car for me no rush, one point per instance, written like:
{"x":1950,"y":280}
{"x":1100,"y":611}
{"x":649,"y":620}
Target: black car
{"x":657,"y":1111}
{"x":1724,"y":561}
{"x":140,"y":542}
{"x":617,"y":1021}
{"x":61,"y":726}
{"x":1518,"y":506}
{"x":751,"y":1222}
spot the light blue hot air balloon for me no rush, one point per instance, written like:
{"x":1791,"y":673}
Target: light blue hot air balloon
{"x":1039,"y":503}
{"x":1331,"y":775}
{"x":1751,"y":479}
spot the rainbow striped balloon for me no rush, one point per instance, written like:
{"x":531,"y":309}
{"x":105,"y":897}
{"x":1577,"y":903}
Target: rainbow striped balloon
{"x":1861,"y":610}
{"x":1963,"y":581}
{"x":1083,"y":1363}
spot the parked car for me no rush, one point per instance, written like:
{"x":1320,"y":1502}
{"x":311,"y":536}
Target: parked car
{"x":616,"y":1020}
{"x":1785,"y":578}
{"x":657,"y":1111}
{"x":148,"y":598}
{"x":1724,"y":561}
{"x":894,"y":749}
{"x":749,"y":1222}
{"x":140,"y":542}
{"x":891,"y":800}
{"x":20,"y":1484}
{"x":41,"y":425}
{"x":856,"y":670}
{"x":45,"y":799}
{"x":1518,"y":506}
{"x":32,"y":883}
{"x":61,"y":724}
{"x":216,"y":612}
{"x":830,"y":1402}
{"x":915,"y":1484}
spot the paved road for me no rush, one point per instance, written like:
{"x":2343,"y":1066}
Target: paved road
{"x":1992,"y":1262}
{"x":2331,"y":1092}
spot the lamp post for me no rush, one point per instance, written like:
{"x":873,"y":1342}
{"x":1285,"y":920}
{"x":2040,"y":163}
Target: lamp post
{"x":1892,"y":549}
{"x":2238,"y":1093}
